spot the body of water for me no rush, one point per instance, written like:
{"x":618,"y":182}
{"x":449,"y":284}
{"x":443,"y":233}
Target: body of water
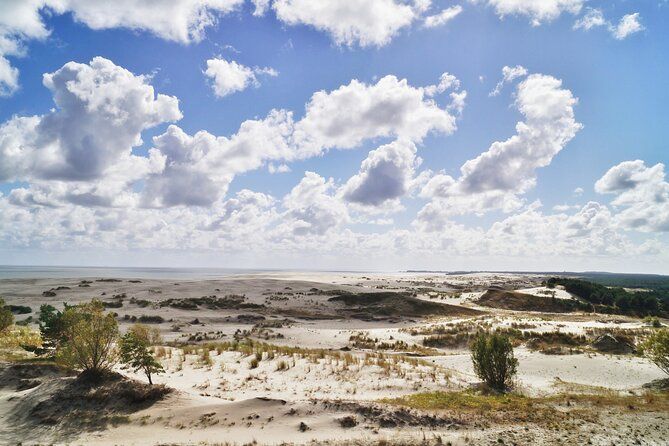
{"x":23,"y":272}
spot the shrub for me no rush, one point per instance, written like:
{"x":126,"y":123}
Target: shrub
{"x":656,"y":348}
{"x":494,"y":363}
{"x":19,"y":309}
{"x":653,"y":321}
{"x":151,"y":319}
{"x":6,"y":316}
{"x":135,"y":352}
{"x":89,"y":337}
{"x":113,"y":304}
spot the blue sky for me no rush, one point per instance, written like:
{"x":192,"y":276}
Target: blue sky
{"x":354,"y":209}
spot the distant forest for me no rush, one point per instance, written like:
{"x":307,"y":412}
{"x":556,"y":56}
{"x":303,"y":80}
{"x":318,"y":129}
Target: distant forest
{"x":646,"y":281}
{"x":610,"y":296}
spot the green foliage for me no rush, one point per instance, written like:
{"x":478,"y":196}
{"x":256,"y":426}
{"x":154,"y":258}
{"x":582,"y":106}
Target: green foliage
{"x":656,"y":348}
{"x":615,"y":300}
{"x":135,"y":351}
{"x":51,"y":326}
{"x":647,"y":281}
{"x":653,"y":321}
{"x":6,"y":316}
{"x":89,"y":337}
{"x":19,"y":309}
{"x":493,"y":359}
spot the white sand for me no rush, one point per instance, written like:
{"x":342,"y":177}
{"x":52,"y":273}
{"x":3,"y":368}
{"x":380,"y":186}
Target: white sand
{"x":212,"y":396}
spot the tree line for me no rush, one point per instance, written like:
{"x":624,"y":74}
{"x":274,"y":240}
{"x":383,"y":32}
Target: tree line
{"x":615,"y":299}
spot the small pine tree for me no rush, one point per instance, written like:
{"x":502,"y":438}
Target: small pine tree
{"x":51,"y":327}
{"x":6,"y":316}
{"x":494,"y":363}
{"x":135,"y":352}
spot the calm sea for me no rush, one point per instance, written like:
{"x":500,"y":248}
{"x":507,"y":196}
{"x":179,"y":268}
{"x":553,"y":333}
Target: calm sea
{"x":20,"y":272}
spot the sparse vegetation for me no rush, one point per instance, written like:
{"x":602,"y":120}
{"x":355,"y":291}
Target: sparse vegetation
{"x":369,"y":306}
{"x":517,"y":408}
{"x":20,"y":337}
{"x":231,"y":301}
{"x":513,"y":300}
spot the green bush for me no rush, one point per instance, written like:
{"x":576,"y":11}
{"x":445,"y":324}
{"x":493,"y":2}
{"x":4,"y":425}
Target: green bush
{"x":89,"y":338}
{"x":656,"y":348}
{"x":19,"y":309}
{"x":653,"y":321}
{"x":494,"y":363}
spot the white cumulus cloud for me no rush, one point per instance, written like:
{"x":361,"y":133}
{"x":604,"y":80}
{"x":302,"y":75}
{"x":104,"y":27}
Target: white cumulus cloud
{"x":352,"y":22}
{"x":182,"y":21}
{"x":228,"y":77}
{"x":385,"y":175}
{"x":344,"y":117}
{"x":100,"y":112}
{"x":496,"y":178}
{"x":642,"y":194}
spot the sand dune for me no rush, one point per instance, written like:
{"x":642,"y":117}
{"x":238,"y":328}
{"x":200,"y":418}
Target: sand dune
{"x":330,"y":348}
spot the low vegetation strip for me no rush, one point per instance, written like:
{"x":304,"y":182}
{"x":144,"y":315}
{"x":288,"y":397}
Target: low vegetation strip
{"x":513,"y":407}
{"x":398,"y":304}
{"x":512,"y":300}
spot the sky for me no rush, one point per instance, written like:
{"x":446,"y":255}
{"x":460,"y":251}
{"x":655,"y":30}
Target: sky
{"x":327,"y":134}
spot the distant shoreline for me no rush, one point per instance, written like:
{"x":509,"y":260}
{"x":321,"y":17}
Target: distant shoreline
{"x":46,"y":271}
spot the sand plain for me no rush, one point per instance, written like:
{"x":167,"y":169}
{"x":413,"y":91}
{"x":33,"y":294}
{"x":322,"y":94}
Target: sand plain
{"x":325,"y":364}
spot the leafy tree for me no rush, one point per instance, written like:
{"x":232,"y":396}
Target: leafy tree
{"x":89,"y":337}
{"x":6,"y":316}
{"x":135,"y":351}
{"x":656,"y":348}
{"x":493,"y":359}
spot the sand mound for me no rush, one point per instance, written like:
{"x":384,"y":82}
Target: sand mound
{"x":369,"y":306}
{"x":96,"y":397}
{"x":18,"y":377}
{"x":512,"y":300}
{"x":57,"y":401}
